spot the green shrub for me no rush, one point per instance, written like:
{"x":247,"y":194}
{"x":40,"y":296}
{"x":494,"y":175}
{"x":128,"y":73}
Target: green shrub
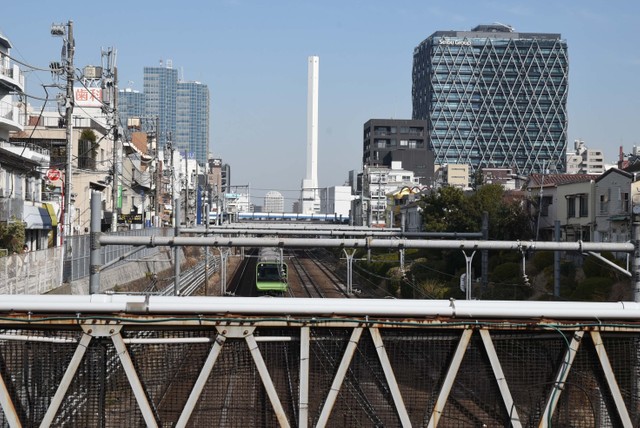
{"x":593,"y":289}
{"x":507,"y":272}
{"x":597,"y":268}
{"x":542,"y":259}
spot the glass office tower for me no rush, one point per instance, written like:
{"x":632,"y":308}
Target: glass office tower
{"x":493,"y":97}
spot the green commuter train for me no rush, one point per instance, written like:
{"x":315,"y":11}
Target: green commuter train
{"x":271,"y":272}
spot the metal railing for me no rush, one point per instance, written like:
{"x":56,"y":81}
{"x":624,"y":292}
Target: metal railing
{"x":125,"y":360}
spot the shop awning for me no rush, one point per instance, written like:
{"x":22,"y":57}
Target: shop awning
{"x":52,"y":213}
{"x":36,"y":217}
{"x":97,"y":186}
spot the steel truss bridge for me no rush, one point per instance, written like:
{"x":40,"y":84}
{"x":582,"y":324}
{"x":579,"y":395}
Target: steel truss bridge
{"x":131,"y":360}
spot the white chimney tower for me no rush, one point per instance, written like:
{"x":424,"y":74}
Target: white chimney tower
{"x":310,"y":198}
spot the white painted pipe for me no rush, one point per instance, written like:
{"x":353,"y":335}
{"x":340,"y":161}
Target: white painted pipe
{"x":319,"y":308}
{"x":219,"y":241}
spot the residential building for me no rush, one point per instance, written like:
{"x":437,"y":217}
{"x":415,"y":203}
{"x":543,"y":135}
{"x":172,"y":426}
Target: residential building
{"x":377,"y":183}
{"x":178,"y":111}
{"x":393,"y":140}
{"x":273,"y":202}
{"x":411,"y":217}
{"x":215,"y":175}
{"x":613,"y":197}
{"x":502,"y":176}
{"x":548,"y":203}
{"x":11,"y":81}
{"x":493,"y":97}
{"x":192,"y":120}
{"x":160,"y":96}
{"x":131,"y":112}
{"x":91,"y":163}
{"x":336,"y":200}
{"x":405,"y":209}
{"x":576,"y":209}
{"x":456,"y":175}
{"x":22,"y":165}
{"x":584,"y":160}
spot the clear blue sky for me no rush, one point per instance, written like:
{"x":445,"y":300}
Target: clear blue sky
{"x":253,"y":56}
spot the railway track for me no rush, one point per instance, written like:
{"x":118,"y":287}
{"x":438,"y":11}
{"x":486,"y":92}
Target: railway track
{"x":310,"y":277}
{"x":307,"y":282}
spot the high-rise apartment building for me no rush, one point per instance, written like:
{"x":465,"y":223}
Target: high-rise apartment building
{"x":130,"y":105}
{"x":393,"y":140}
{"x":177,"y":110}
{"x":493,"y":97}
{"x":192,"y":120}
{"x":160,"y":95}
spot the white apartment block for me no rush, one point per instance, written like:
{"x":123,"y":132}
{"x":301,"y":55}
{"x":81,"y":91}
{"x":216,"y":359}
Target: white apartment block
{"x":584,"y":160}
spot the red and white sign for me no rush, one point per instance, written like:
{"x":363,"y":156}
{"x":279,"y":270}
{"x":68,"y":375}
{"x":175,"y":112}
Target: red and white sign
{"x":53,"y":174}
{"x":88,"y":97}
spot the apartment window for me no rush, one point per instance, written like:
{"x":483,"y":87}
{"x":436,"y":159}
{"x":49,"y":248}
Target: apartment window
{"x":584,"y":205}
{"x":544,"y":209}
{"x":604,"y":204}
{"x":28,"y":189}
{"x":624,"y":206}
{"x":571,"y":207}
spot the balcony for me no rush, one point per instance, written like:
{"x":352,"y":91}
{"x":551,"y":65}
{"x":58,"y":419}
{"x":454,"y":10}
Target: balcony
{"x":10,"y":117}
{"x":142,"y":178}
{"x":10,"y":75}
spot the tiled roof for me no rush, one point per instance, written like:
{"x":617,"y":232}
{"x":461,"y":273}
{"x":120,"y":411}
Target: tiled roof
{"x":553,"y":180}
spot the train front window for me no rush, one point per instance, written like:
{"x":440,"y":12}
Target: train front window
{"x":268,"y":273}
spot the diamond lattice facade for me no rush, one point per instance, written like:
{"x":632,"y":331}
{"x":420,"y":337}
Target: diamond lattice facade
{"x":493,"y":97}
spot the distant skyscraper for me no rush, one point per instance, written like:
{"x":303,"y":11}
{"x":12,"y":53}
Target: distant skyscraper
{"x":192,"y":120}
{"x":160,"y":92}
{"x":493,"y":97}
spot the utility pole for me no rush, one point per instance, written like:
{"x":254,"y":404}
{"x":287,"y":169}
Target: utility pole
{"x":186,"y":189}
{"x":159,"y":185}
{"x":67,"y":59}
{"x":109,"y":99}
{"x":169,"y":147}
